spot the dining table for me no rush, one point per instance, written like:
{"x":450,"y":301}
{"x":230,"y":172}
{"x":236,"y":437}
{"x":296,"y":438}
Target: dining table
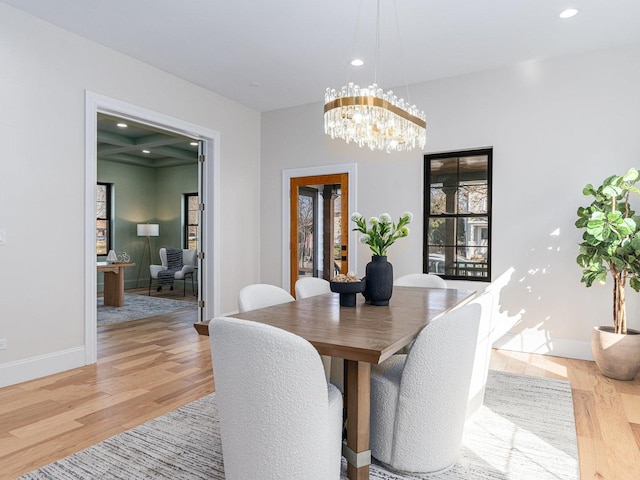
{"x":362,"y":335}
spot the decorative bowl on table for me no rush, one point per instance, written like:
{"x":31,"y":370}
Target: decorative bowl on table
{"x":347,"y":288}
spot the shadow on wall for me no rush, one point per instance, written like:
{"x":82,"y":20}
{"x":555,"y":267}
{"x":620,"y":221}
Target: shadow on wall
{"x":540,"y":291}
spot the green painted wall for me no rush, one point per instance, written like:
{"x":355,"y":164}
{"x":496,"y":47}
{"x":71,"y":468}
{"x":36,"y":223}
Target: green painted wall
{"x":145,"y":195}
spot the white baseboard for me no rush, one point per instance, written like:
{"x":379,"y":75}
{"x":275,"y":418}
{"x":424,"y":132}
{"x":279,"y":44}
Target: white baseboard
{"x":35,"y":367}
{"x":30,"y":368}
{"x":577,"y":349}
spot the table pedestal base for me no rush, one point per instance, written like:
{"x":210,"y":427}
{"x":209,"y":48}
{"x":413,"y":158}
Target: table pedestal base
{"x":357,"y":391}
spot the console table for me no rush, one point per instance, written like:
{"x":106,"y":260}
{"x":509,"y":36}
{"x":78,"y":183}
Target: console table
{"x":113,"y":282}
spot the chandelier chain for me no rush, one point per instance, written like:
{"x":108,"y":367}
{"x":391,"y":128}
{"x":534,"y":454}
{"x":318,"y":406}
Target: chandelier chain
{"x":402,"y":57}
{"x":371,"y":117}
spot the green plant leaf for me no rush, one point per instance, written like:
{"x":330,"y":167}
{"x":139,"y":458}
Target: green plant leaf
{"x":631,"y":176}
{"x":588,"y":190}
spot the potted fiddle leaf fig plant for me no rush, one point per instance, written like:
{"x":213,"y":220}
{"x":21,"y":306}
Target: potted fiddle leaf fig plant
{"x":611,"y":246}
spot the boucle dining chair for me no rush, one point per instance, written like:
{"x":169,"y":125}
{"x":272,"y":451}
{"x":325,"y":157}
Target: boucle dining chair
{"x":482,"y":356}
{"x":425,"y":280}
{"x":279,"y":418}
{"x":310,"y":287}
{"x":493,"y":325}
{"x":260,"y":295}
{"x":420,"y":280}
{"x":419,"y":400}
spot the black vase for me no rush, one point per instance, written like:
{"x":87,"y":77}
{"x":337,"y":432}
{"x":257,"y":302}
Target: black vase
{"x":379,"y":281}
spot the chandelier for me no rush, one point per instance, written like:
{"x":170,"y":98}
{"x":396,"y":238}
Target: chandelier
{"x":370,"y":117}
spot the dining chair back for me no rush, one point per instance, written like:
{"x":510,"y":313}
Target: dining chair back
{"x":260,"y":295}
{"x":420,"y":280}
{"x":419,"y":400}
{"x":310,"y":287}
{"x":493,"y":325}
{"x":278,"y":416}
{"x":482,"y":357}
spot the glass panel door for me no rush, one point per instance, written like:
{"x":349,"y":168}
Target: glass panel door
{"x":318,"y":232}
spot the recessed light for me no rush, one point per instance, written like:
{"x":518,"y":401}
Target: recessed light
{"x":122,"y":125}
{"x":568,"y":13}
{"x":146,"y":151}
{"x":357,"y":62}
{"x":194,"y":144}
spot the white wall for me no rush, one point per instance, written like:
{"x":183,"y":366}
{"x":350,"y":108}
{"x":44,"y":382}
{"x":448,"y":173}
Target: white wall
{"x":44,"y":74}
{"x":555,"y":125}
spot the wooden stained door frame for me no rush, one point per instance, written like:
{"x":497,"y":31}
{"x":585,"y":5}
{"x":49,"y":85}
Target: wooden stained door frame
{"x":296,"y":185}
{"x":319,"y":176}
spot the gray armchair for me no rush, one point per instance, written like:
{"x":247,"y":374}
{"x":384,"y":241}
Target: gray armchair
{"x":188,"y":267}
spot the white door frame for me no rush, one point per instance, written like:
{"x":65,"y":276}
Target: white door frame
{"x":95,"y":103}
{"x":349,"y":168}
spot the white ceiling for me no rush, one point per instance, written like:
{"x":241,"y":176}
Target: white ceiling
{"x":294,"y":49}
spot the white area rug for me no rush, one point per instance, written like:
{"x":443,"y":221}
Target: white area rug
{"x":139,"y":306}
{"x":525,"y":430}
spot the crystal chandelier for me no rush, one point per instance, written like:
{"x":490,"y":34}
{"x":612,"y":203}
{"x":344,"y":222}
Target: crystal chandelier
{"x":370,"y":117}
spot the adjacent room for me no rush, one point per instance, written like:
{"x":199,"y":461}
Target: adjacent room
{"x":146,"y":203}
{"x":351,"y":239}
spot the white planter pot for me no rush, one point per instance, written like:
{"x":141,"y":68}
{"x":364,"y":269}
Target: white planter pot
{"x":617,"y":356}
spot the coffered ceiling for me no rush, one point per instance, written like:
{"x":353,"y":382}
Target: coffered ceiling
{"x":271,"y":54}
{"x":142,"y":145}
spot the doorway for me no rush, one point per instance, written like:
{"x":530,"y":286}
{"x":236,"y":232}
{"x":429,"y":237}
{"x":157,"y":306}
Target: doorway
{"x":316,"y":206}
{"x":148,"y":197}
{"x":208,"y":176}
{"x":319,"y":226}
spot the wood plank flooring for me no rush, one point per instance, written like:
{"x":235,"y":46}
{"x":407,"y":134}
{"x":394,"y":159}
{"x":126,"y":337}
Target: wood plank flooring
{"x":145,"y":368}
{"x":151,"y":366}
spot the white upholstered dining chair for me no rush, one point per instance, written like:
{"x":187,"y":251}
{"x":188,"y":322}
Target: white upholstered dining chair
{"x":260,"y":295}
{"x":482,"y":357}
{"x":424,"y":280}
{"x":493,"y":325}
{"x":311,"y":286}
{"x":419,"y":400}
{"x":279,"y":418}
{"x":420,"y":280}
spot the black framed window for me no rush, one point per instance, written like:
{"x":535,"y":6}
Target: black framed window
{"x":103,"y":218}
{"x":191,"y":224}
{"x":457,"y":214}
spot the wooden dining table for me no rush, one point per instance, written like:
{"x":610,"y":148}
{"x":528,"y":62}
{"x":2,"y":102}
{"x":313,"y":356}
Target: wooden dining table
{"x":361,"y":335}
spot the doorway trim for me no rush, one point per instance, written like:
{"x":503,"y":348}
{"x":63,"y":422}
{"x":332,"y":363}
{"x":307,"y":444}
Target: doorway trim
{"x":351,"y":170}
{"x":96,"y":103}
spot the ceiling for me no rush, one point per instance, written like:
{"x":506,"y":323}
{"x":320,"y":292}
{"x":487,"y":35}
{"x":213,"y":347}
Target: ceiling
{"x":128,"y":144}
{"x":274,"y":54}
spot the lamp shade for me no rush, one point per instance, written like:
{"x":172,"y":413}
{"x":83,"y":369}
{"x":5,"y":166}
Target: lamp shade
{"x":148,"y":230}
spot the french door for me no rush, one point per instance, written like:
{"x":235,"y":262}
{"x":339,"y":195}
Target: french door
{"x":319,"y":228}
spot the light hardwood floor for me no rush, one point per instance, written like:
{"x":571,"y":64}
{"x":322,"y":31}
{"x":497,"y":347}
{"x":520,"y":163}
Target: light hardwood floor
{"x":149,"y":367}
